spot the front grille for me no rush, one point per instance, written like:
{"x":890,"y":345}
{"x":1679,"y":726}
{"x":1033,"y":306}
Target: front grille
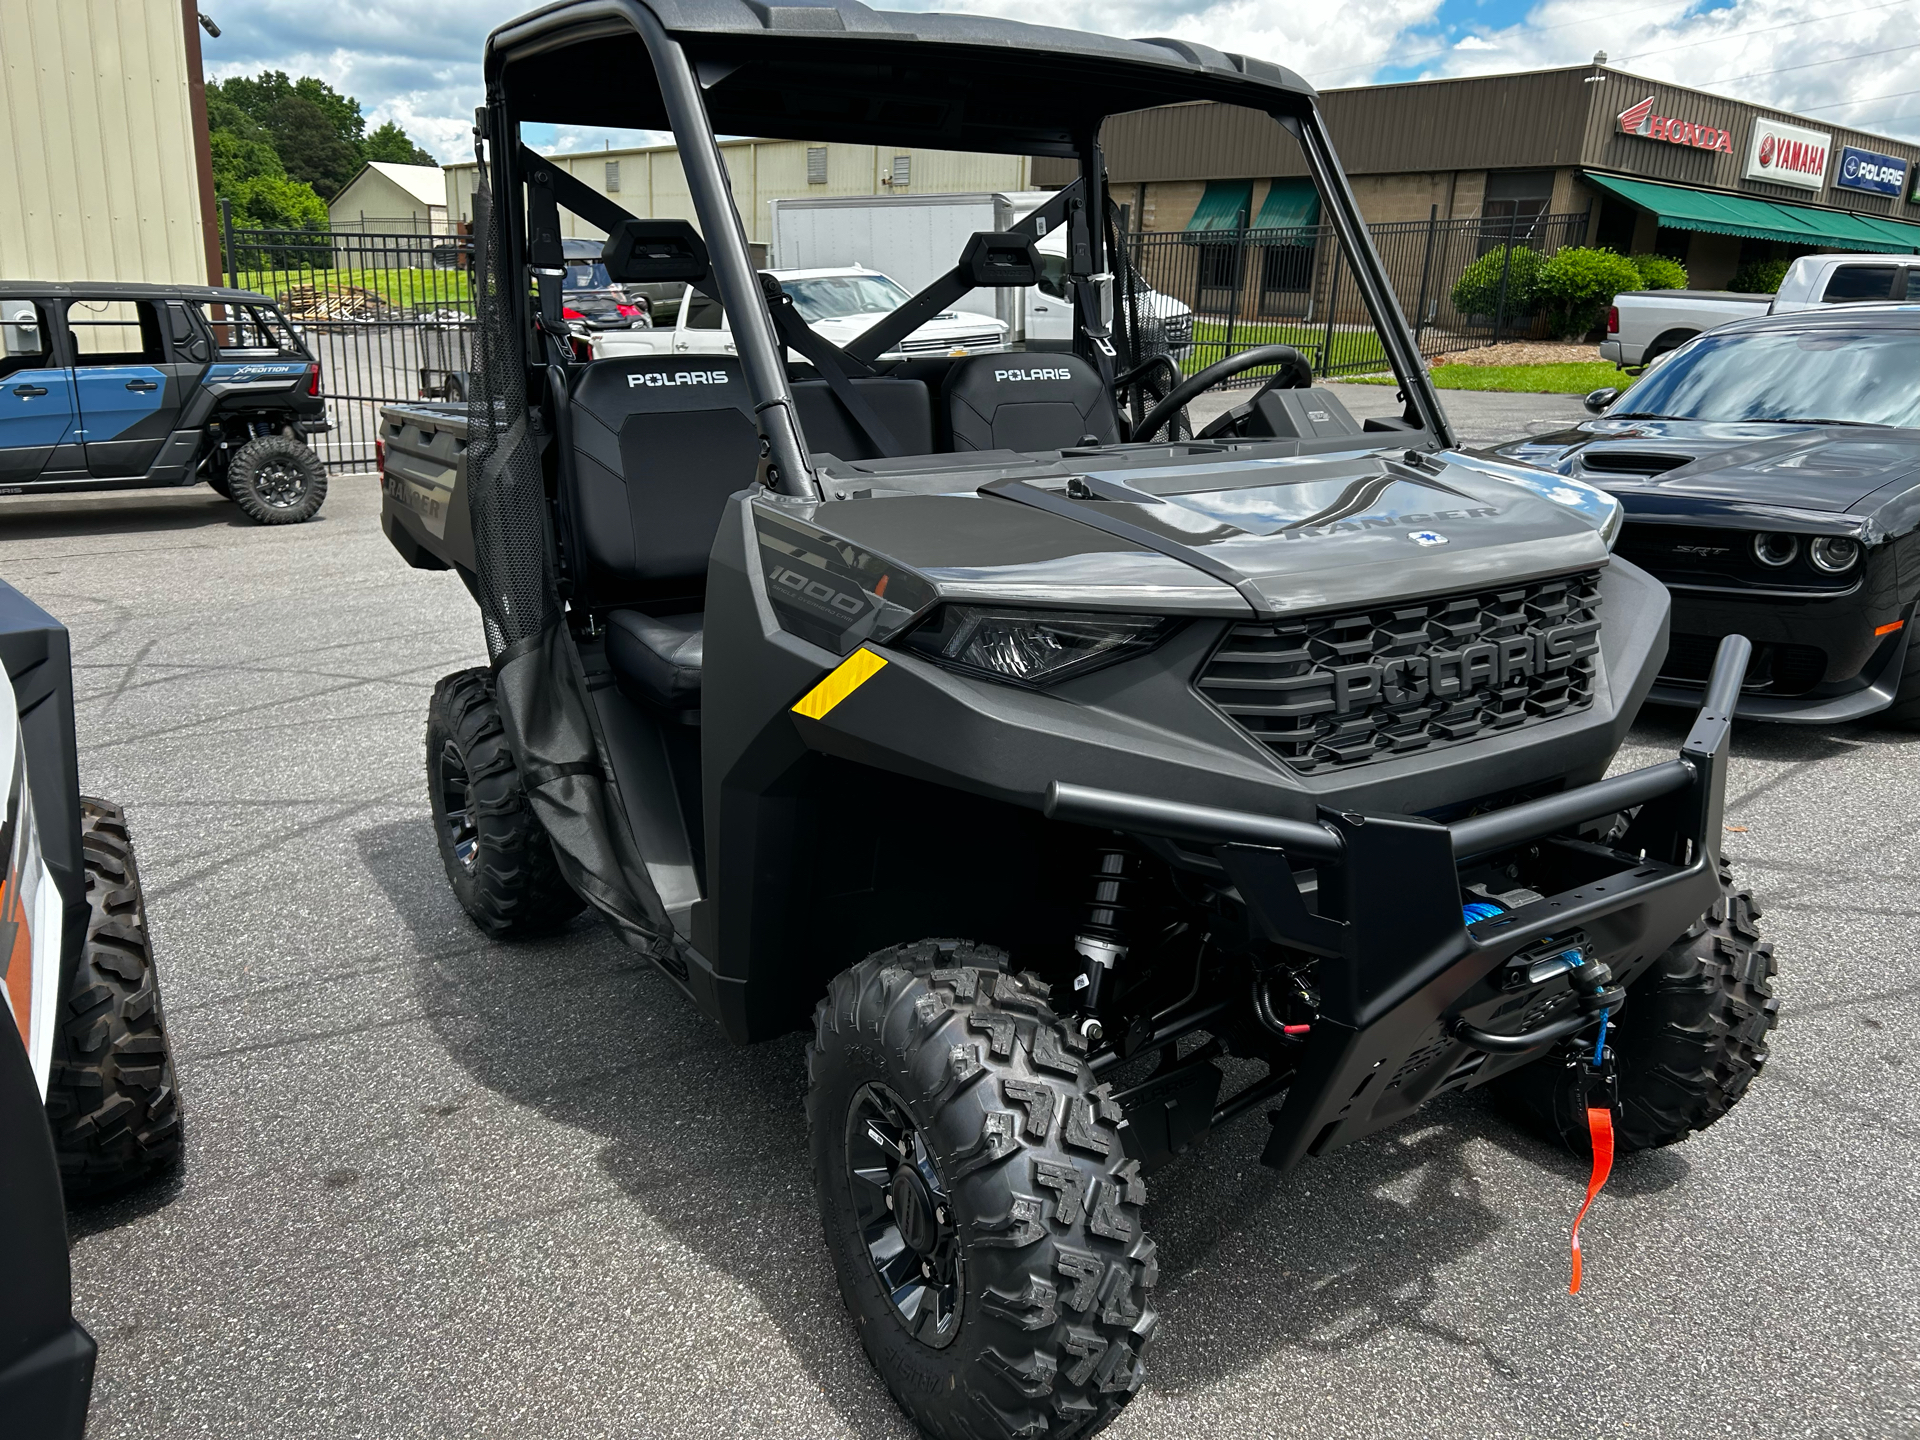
{"x":974,"y":344}
{"x":1331,"y":691}
{"x":1772,"y":669}
{"x":1178,"y":330}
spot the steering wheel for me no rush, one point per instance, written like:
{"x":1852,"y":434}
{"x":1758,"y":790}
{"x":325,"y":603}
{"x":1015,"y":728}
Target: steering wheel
{"x":1296,"y":372}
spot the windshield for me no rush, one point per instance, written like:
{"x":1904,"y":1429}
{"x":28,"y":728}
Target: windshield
{"x":1862,"y":376}
{"x":834,"y":297}
{"x":587,"y":275}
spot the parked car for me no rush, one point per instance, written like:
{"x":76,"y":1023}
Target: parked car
{"x":589,"y":298}
{"x":1771,"y":476}
{"x":123,"y":386}
{"x":88,"y":1104}
{"x":1007,"y":753}
{"x":913,"y":238}
{"x":839,"y":302}
{"x":1643,"y":325}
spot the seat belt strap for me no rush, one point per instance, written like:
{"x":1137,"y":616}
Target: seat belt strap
{"x":871,"y":344}
{"x":831,"y":362}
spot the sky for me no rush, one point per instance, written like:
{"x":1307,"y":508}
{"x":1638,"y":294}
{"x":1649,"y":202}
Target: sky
{"x":1848,"y":62}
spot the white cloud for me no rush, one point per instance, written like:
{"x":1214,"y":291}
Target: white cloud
{"x":417,"y":62}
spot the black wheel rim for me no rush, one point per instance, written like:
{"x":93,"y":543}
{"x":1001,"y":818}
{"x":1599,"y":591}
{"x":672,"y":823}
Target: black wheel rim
{"x":905,"y":1216}
{"x":457,"y":829}
{"x":280,"y":484}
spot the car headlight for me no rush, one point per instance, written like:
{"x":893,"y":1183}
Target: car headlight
{"x":1774,"y":550}
{"x":1032,"y":647}
{"x":1834,"y":554}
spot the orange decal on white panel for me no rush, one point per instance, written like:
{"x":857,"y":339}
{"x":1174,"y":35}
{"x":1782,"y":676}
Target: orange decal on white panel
{"x":19,"y":973}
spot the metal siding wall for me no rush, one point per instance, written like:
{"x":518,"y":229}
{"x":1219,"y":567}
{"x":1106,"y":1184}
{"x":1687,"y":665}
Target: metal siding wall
{"x":96,"y":143}
{"x":761,"y":170}
{"x":1608,"y":149}
{"x":1536,"y":120}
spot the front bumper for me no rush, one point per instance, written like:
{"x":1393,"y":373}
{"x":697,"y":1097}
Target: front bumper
{"x":1401,"y":973}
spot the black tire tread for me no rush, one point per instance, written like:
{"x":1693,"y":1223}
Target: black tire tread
{"x":110,"y":1094}
{"x":515,"y":886}
{"x":244,"y":470}
{"x":1057,"y":1319}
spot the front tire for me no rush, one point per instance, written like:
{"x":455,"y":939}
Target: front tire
{"x":110,"y":1095}
{"x":1689,"y":1041}
{"x":277,"y":480}
{"x":497,"y":855}
{"x":984,"y":1223}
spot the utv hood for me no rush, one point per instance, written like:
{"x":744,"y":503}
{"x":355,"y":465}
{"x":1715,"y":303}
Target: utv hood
{"x":1297,"y":533}
{"x":1693,"y":466}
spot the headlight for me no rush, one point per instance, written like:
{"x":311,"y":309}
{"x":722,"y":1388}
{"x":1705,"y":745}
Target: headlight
{"x":1776,"y":551}
{"x":1032,"y":647}
{"x":1834,"y":553}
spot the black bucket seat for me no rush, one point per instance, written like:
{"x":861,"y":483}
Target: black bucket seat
{"x":1028,"y":402}
{"x":659,"y":443}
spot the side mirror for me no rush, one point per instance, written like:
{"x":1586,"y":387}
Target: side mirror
{"x":1598,"y":400}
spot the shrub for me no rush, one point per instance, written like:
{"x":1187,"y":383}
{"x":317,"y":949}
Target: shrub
{"x":1759,"y":277}
{"x":1578,"y":284}
{"x":1658,"y":272}
{"x":1477,"y":291}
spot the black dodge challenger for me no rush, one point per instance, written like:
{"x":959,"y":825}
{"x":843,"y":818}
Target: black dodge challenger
{"x":1770,"y":472}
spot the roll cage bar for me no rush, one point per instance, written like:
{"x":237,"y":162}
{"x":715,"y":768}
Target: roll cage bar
{"x":756,"y":65}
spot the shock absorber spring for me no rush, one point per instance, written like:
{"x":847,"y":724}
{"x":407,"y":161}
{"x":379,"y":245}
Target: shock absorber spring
{"x":1102,"y":939}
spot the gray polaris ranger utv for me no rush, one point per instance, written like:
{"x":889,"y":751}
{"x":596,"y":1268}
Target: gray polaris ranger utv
{"x":1057,"y":766}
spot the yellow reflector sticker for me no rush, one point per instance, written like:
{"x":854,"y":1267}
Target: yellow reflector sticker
{"x":847,"y":677}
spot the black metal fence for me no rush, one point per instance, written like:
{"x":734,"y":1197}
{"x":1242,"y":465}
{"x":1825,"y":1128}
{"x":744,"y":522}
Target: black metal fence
{"x":389,"y":317}
{"x":1460,"y":283}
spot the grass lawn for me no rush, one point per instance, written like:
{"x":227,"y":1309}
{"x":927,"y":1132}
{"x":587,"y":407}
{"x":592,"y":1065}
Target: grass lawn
{"x":1351,"y":346}
{"x":1572,"y":379}
{"x":407,"y":289}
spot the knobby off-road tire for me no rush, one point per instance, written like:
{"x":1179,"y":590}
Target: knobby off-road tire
{"x":1688,"y":1043}
{"x":498,"y":857}
{"x":110,"y":1094}
{"x":1018,"y":1190}
{"x":277,"y":480}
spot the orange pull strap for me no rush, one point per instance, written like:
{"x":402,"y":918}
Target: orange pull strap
{"x":1600,"y":1131}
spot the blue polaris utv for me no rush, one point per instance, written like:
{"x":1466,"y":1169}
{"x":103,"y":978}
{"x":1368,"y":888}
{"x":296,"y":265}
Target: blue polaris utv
{"x":124,"y":386}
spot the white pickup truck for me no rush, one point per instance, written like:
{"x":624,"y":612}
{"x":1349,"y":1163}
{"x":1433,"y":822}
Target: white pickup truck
{"x":839,"y":303}
{"x":1643,"y":325}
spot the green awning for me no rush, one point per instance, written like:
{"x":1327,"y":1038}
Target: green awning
{"x":1225,"y":206}
{"x":1290,"y":205}
{"x":1679,"y":208}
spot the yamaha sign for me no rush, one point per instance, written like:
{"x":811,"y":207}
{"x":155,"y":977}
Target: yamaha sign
{"x":1871,"y":171}
{"x":1783,"y":154}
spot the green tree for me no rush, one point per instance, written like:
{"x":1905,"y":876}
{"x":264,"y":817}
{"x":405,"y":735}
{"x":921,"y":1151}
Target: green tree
{"x":249,"y":176}
{"x":1657,"y":272}
{"x":391,"y":143}
{"x":319,"y":135}
{"x":309,"y":146}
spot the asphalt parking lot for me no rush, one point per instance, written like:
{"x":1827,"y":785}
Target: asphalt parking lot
{"x":441,"y":1186}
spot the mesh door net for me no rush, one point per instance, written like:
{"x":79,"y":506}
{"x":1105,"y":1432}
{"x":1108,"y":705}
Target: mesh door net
{"x":539,"y":681}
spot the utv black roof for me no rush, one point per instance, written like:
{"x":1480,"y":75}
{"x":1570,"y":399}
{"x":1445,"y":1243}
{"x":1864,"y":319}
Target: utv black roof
{"x":841,"y":71}
{"x":126,"y":290}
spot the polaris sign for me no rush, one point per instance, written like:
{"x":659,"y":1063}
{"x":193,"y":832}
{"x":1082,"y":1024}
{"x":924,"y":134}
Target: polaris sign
{"x":1785,"y":154}
{"x":1870,"y":171}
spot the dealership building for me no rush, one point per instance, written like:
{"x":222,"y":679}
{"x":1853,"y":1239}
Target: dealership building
{"x":1710,"y":181}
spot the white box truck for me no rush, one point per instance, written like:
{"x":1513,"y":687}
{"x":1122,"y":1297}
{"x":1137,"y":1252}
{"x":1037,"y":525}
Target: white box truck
{"x":913,"y":238}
